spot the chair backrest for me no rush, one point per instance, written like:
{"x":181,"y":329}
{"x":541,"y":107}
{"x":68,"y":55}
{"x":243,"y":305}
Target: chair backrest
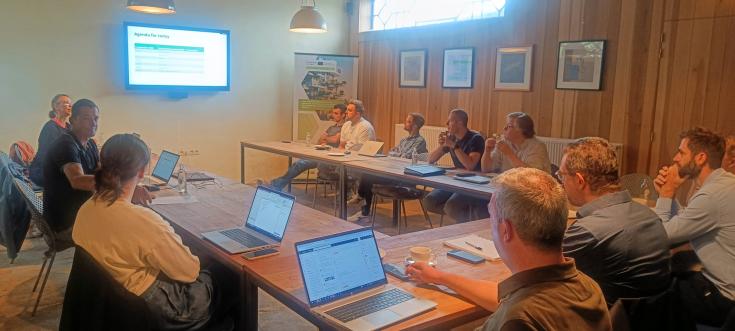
{"x":637,"y":184}
{"x":34,"y":202}
{"x":96,"y":301}
{"x":663,"y":311}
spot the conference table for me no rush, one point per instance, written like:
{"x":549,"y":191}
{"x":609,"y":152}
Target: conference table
{"x":390,"y":168}
{"x":225,"y":203}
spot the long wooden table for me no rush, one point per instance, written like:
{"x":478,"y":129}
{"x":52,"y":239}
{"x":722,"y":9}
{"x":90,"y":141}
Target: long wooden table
{"x":226,"y":204}
{"x":308,"y":152}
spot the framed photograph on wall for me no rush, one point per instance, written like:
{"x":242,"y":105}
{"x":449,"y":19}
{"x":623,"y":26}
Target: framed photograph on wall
{"x":412,"y":68}
{"x":513,"y":68}
{"x":580,"y":64}
{"x":458,"y":66}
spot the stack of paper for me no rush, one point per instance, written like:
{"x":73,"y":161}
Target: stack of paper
{"x":475,"y":245}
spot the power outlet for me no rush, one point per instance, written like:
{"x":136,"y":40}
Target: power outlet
{"x":191,"y":152}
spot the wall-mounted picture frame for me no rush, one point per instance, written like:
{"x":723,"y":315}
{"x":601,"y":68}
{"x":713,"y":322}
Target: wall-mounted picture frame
{"x":412,"y":68}
{"x":457,"y":70}
{"x":513,"y":66}
{"x":580,"y":65}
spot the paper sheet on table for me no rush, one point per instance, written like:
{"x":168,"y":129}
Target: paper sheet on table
{"x":470,"y":244}
{"x":174,"y":200}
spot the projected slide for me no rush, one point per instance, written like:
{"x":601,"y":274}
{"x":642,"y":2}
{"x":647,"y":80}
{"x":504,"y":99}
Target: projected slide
{"x":160,"y":56}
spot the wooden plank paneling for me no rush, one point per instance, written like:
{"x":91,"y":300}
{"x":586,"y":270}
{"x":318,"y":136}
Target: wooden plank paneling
{"x":642,"y":95}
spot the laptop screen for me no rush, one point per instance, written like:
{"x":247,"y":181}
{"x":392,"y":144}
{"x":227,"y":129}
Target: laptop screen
{"x":340,"y":265}
{"x":165,"y":166}
{"x":270,"y":212}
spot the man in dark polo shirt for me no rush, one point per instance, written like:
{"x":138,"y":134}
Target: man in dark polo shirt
{"x":69,"y":169}
{"x":620,"y":243}
{"x":465,"y":146}
{"x":528,"y":215}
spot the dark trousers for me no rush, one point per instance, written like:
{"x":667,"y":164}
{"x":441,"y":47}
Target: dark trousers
{"x":365,"y":190}
{"x":703,"y":300}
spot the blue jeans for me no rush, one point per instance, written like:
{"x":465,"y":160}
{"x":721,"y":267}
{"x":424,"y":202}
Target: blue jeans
{"x":459,"y":207}
{"x":293,"y":171}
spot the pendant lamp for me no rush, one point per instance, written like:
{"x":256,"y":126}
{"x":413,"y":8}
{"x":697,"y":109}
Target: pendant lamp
{"x":152,"y":6}
{"x":308,"y":20}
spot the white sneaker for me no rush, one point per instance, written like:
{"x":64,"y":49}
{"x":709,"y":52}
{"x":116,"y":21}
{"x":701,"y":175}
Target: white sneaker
{"x":356,"y":199}
{"x":356,"y":217}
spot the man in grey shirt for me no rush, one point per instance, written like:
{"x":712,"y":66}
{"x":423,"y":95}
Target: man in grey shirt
{"x":621,"y":244}
{"x":708,"y":223}
{"x":518,"y":148}
{"x":414,"y":143}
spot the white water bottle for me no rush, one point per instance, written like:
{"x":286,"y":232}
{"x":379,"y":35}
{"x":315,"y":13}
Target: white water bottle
{"x":308,"y":138}
{"x":414,"y":157}
{"x":182,"y":179}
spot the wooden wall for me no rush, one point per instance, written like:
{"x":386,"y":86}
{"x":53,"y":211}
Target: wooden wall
{"x":652,"y":87}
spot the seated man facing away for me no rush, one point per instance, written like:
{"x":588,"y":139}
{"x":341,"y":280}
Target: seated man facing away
{"x":518,"y":148}
{"x":528,"y":215}
{"x":329,"y":137}
{"x":465,"y":146}
{"x":137,"y":247}
{"x":69,"y":168}
{"x":414,"y":143}
{"x":621,"y":244}
{"x":707,"y":223}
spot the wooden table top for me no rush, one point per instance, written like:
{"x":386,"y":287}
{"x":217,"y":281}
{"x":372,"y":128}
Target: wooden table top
{"x":393,"y":167}
{"x":301,"y":150}
{"x":225,"y":204}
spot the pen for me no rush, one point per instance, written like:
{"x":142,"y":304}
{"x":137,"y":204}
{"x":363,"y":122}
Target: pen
{"x":473,"y":245}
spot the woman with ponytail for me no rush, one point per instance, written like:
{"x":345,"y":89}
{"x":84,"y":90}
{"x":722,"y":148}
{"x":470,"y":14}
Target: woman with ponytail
{"x":137,"y":247}
{"x":53,"y":129}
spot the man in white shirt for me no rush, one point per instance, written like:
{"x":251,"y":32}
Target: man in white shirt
{"x":356,"y":129}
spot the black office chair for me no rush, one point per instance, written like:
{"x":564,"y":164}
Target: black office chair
{"x":663,"y":311}
{"x":400,"y":194}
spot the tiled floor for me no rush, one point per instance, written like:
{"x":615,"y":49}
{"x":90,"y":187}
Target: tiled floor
{"x":16,"y":280}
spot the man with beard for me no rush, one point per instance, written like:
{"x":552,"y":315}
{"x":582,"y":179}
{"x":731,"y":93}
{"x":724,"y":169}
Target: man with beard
{"x":708,"y":223}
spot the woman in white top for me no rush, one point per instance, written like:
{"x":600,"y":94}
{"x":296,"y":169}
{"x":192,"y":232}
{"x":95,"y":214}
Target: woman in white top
{"x":137,"y":247}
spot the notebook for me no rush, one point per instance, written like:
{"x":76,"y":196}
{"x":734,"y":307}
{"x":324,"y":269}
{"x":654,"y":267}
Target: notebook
{"x":423,"y":170}
{"x":471,"y":244}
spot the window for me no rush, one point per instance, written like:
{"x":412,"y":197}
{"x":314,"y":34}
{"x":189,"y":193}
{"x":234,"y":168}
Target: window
{"x":394,"y":14}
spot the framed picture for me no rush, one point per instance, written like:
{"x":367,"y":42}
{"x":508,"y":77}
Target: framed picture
{"x":458,"y":66}
{"x":513,"y":68}
{"x":412,"y":68}
{"x":580,"y":64}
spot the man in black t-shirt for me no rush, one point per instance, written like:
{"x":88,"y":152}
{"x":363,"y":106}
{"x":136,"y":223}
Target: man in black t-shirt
{"x":465,"y":147}
{"x":69,"y":168}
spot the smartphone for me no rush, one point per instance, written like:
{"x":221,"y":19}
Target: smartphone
{"x":465,"y":256}
{"x":260,"y":254}
{"x":396,"y":271}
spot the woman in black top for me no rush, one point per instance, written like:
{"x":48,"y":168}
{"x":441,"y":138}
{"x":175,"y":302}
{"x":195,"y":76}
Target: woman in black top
{"x":53,"y":129}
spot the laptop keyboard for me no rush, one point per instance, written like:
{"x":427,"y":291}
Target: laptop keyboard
{"x":244,"y":238}
{"x":369,"y":305}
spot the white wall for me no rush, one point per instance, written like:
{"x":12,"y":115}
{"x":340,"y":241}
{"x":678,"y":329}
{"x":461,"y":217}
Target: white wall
{"x":75,"y":47}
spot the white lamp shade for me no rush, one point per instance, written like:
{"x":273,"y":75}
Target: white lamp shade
{"x":152,"y":6}
{"x":308,"y":20}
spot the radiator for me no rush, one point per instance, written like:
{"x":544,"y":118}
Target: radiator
{"x":554,"y":146}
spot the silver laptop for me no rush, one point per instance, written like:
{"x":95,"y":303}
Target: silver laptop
{"x":164,"y":168}
{"x":264,"y":226}
{"x":371,"y":148}
{"x":345,"y":282}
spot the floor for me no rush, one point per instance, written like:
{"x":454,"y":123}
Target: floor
{"x":16,"y":280}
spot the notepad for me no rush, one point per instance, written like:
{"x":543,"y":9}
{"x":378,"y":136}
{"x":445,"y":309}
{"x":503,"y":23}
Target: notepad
{"x":423,"y":170}
{"x":488,"y":250}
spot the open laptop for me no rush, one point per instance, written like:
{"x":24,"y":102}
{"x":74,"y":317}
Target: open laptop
{"x":164,"y":168}
{"x":264,"y":226}
{"x":345,"y":282}
{"x":371,"y":148}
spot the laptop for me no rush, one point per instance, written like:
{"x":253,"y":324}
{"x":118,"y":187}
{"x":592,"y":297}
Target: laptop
{"x":346,"y":284}
{"x":164,"y":168}
{"x":264,"y":226}
{"x":371,"y":148}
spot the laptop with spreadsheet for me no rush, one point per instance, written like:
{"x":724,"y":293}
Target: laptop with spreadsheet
{"x":345,"y":282}
{"x":264,"y":226}
{"x":164,"y":168}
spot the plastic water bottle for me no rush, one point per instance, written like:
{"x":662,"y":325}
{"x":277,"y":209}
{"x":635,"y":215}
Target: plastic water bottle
{"x":182,"y":179}
{"x":308,"y":138}
{"x":414,"y":157}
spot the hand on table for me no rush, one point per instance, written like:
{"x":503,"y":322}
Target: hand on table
{"x":422,"y":272}
{"x":142,"y":197}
